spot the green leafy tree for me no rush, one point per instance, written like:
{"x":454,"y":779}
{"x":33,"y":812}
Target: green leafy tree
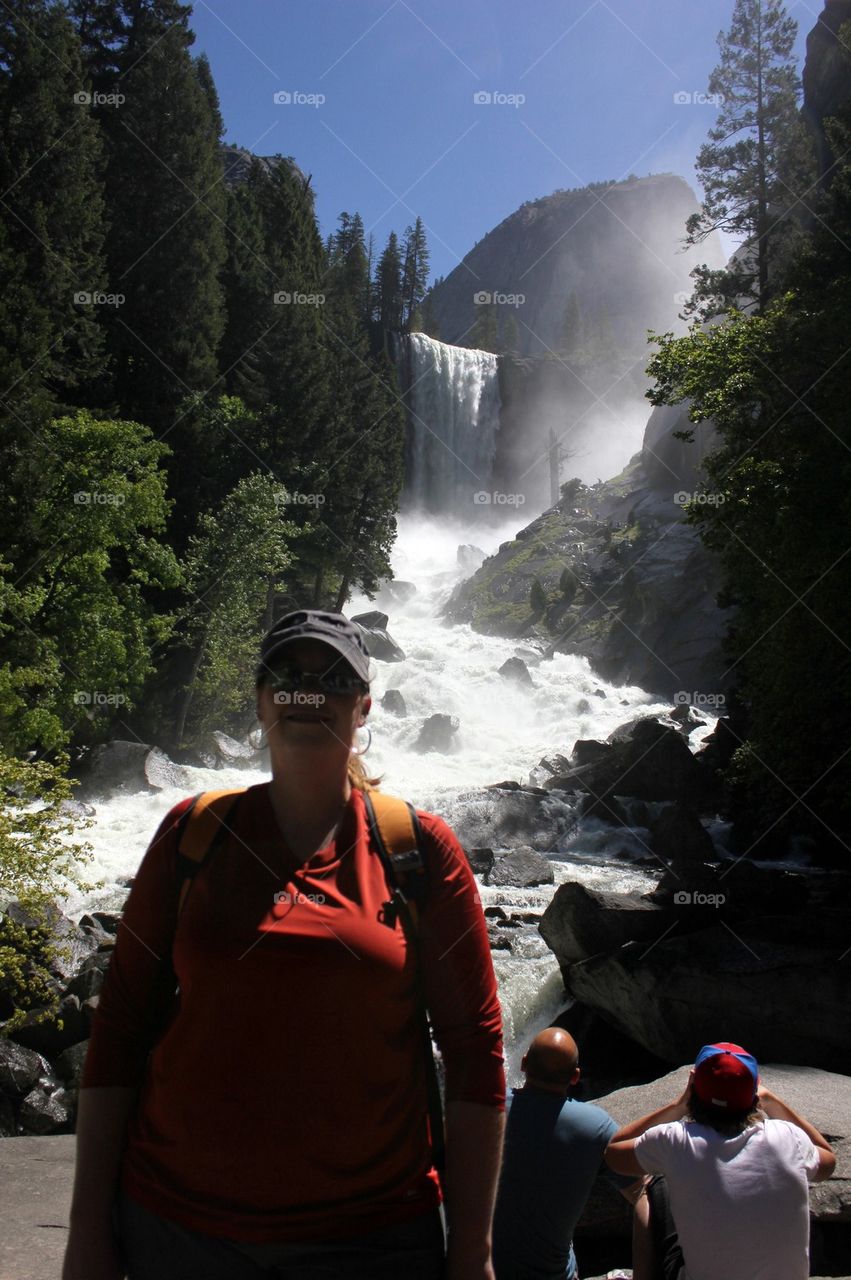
{"x":40,"y":859}
{"x":747,"y":166}
{"x":235,"y":564}
{"x":84,"y":565}
{"x":777,"y":512}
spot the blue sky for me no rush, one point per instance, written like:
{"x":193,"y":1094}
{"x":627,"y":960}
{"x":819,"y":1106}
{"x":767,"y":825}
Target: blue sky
{"x":383,"y":109}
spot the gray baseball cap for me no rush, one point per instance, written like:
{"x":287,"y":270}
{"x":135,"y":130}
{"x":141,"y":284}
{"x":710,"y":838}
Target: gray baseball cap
{"x":315,"y":624}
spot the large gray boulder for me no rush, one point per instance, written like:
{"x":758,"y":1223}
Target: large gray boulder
{"x":775,"y":984}
{"x":581,"y":922}
{"x":645,"y":758}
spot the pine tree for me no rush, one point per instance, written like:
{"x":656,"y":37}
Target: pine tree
{"x":414,"y":271}
{"x":388,"y":287}
{"x":430,"y":322}
{"x":744,"y":168}
{"x":102,"y":32}
{"x":247,"y":282}
{"x":166,"y":201}
{"x":51,"y":234}
{"x":484,"y":333}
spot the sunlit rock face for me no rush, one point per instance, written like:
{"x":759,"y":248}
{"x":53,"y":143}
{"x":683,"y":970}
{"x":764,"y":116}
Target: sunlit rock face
{"x":616,"y":246}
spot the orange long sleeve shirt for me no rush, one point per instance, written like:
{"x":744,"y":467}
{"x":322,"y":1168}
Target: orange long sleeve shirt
{"x":285,"y":1099}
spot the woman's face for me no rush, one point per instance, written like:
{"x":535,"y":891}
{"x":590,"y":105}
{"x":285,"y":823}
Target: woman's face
{"x":308,"y":718}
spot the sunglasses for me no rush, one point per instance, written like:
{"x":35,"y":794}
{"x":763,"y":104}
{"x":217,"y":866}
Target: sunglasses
{"x":341,"y":683}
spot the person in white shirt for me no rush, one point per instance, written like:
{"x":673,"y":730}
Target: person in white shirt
{"x":735,"y":1162}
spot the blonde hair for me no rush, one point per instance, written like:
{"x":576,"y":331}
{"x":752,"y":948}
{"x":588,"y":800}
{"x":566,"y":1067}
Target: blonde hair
{"x":358,"y":776}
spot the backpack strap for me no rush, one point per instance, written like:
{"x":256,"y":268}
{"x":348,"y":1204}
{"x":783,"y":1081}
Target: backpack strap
{"x":199,"y":832}
{"x":397,"y":839}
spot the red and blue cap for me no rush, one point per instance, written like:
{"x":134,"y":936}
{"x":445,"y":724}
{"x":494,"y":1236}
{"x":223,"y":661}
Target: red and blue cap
{"x":726,"y":1075}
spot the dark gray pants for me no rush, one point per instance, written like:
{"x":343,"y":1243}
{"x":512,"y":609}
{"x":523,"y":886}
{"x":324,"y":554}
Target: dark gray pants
{"x":156,"y":1248}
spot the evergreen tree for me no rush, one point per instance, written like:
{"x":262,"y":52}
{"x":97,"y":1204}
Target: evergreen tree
{"x":484,"y":332}
{"x":247,"y":282}
{"x":166,"y":200}
{"x":51,"y":234}
{"x":746,"y":168}
{"x":102,"y":31}
{"x":414,"y":271}
{"x":388,"y":287}
{"x":430,"y":322}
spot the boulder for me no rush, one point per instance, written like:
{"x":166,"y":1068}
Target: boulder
{"x":515,"y":670}
{"x":581,"y":922}
{"x":379,"y":644}
{"x":645,"y":758}
{"x":686,"y":718}
{"x":437,"y":733}
{"x":396,"y":591}
{"x":774,"y":984}
{"x":679,"y":838}
{"x":393,"y":702}
{"x":69,"y":943}
{"x":503,"y":819}
{"x":521,"y":868}
{"x":20,"y":1069}
{"x":231,"y":752}
{"x":470,"y":557}
{"x":114,"y":766}
{"x":481,"y":860}
{"x":70,"y":1063}
{"x":44,"y":1112}
{"x":162,"y":773}
{"x":46,"y":1036}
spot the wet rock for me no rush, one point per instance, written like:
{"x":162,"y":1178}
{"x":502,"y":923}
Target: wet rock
{"x":481,"y":860}
{"x":43,"y":1112}
{"x":515,"y":670}
{"x":581,"y":922}
{"x":114,"y":766}
{"x":70,"y":944}
{"x":70,"y":1063}
{"x":644,"y":758}
{"x":437,"y":733}
{"x":396,"y":591}
{"x":470,"y":557}
{"x":161,"y":773}
{"x":522,"y":868}
{"x":679,"y":838}
{"x":20,"y":1069}
{"x":231,"y":752}
{"x":393,"y":702}
{"x":686,"y":717}
{"x":379,"y":644}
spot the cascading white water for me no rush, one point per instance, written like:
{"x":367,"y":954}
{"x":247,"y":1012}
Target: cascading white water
{"x":453,"y":418}
{"x":504,"y":729}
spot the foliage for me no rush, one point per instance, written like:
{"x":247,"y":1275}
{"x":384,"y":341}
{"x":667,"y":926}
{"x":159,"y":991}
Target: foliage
{"x":38,"y":861}
{"x":756,"y":161}
{"x":779,"y":490}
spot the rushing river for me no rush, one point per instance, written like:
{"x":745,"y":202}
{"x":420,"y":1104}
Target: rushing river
{"x":504,"y":730}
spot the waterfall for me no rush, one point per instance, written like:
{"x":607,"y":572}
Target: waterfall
{"x":452,"y":399}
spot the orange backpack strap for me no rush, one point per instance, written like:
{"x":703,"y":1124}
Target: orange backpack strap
{"x":396,"y":834}
{"x":201,"y":829}
{"x":397,"y":839}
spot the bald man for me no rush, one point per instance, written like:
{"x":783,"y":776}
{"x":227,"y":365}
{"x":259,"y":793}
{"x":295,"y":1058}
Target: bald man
{"x":553,"y":1151}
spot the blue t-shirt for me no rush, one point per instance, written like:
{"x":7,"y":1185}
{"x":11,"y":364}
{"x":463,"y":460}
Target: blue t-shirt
{"x":553,"y":1151}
